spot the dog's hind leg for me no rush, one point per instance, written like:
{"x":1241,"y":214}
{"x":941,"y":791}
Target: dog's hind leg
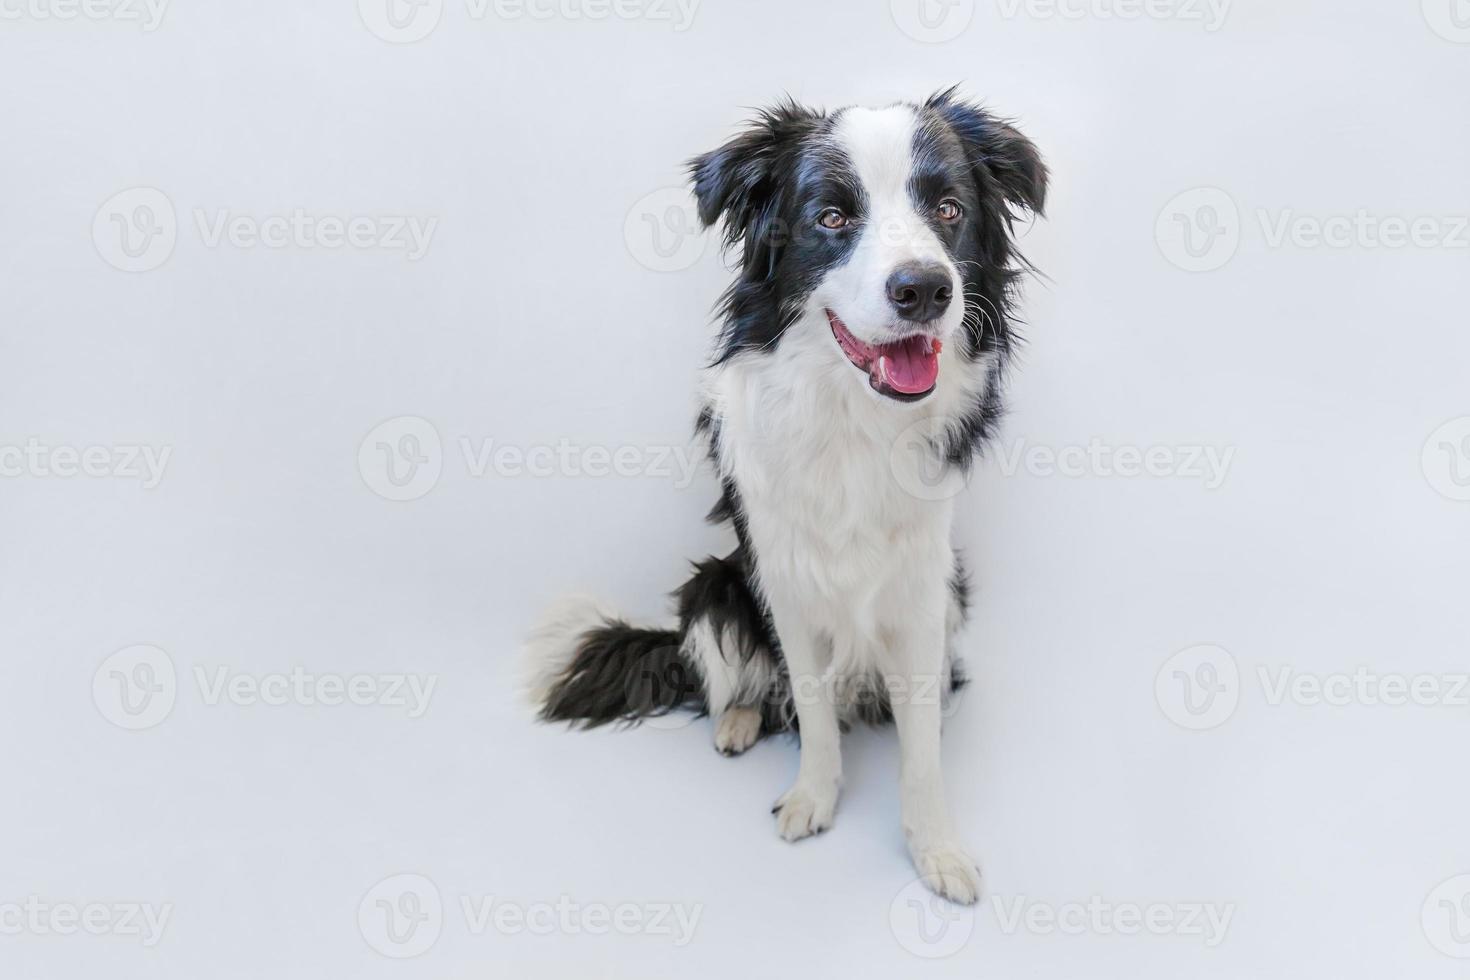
{"x":737,"y":729}
{"x":728,"y":639}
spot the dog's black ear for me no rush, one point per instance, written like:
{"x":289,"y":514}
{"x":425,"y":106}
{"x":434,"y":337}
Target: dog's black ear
{"x":997,"y":150}
{"x":739,"y":180}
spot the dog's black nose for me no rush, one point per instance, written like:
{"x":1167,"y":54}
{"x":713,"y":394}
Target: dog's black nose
{"x":920,"y":292}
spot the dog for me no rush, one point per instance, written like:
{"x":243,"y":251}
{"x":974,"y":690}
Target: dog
{"x":864,"y":349}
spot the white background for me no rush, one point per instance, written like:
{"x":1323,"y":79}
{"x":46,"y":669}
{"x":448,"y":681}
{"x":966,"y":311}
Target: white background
{"x":540,"y":314}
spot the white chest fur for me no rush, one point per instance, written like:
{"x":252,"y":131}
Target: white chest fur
{"x":827,"y":472}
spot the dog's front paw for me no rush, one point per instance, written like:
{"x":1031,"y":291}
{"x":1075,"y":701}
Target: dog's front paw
{"x":948,"y":871}
{"x":805,"y":811}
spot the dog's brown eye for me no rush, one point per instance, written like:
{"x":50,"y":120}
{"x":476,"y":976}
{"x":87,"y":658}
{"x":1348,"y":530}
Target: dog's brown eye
{"x":832,"y":219}
{"x":950,"y":210}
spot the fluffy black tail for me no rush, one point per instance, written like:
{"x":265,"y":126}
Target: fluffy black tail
{"x":588,"y":667}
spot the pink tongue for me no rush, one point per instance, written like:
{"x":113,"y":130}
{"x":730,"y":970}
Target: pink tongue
{"x":908,"y":366}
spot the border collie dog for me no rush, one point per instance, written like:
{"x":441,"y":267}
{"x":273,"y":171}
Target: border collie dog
{"x":864,"y":347}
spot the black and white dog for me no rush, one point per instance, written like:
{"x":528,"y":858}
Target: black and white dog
{"x":877,"y":275}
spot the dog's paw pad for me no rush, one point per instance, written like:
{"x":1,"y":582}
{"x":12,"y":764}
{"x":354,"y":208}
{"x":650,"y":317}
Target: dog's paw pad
{"x":737,"y":730}
{"x":802,"y":813}
{"x":949,"y":872}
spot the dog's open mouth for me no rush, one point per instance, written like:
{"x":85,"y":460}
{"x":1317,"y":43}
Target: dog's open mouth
{"x":905,"y":369}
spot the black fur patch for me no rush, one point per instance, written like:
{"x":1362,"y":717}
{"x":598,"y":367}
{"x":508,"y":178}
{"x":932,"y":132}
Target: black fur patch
{"x":959,"y":587}
{"x":1006,"y":177}
{"x":722,"y":592}
{"x":621,"y":674}
{"x":755,"y":182}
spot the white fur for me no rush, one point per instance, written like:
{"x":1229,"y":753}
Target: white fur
{"x":879,"y":142}
{"x":552,"y":645}
{"x":731,"y":684}
{"x":854,"y":567}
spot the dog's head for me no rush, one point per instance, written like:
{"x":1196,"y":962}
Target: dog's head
{"x":890,"y":228}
